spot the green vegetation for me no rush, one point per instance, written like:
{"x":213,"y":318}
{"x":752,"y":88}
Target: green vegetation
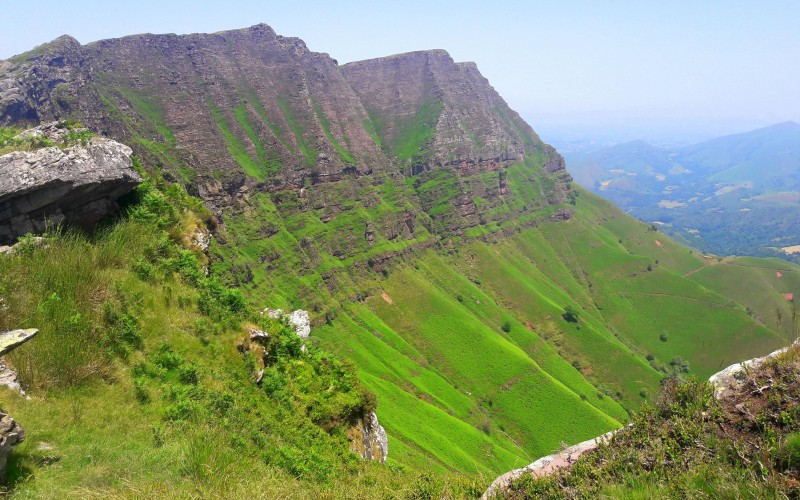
{"x":425,"y":325}
{"x":689,"y":445}
{"x":74,"y":135}
{"x":413,"y":135}
{"x":137,"y":363}
{"x":326,"y":127}
{"x":505,"y":334}
{"x":236,"y":147}
{"x":297,"y":130}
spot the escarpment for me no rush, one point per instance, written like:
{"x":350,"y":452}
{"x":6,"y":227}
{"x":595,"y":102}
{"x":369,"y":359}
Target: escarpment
{"x":248,"y":111}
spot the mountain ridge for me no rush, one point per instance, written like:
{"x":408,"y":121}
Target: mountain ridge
{"x":493,"y":307}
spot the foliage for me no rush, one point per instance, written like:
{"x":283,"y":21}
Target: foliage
{"x":74,"y":135}
{"x":570,"y":314}
{"x":690,"y":445}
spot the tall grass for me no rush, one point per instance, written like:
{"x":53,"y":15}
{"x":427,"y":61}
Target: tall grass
{"x":59,"y":287}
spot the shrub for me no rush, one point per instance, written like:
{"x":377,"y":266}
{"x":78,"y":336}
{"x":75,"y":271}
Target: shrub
{"x":787,"y":456}
{"x":570,"y":314}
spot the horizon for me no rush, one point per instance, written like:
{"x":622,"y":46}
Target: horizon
{"x":672,"y":73}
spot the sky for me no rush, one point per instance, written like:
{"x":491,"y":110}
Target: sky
{"x":670,"y":67}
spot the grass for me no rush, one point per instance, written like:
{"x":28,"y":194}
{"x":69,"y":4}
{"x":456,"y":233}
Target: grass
{"x":296,"y":128}
{"x":689,"y":445}
{"x":326,"y":127}
{"x":473,"y":344}
{"x":75,"y":135}
{"x":435,"y":350}
{"x":236,"y":148}
{"x":143,"y":377}
{"x":412,"y":135}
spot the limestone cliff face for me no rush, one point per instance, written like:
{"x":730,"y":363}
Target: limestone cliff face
{"x":469,"y":125}
{"x":245,"y":111}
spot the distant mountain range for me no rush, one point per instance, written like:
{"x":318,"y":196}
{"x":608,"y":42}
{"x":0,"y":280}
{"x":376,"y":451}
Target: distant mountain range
{"x":738,"y":194}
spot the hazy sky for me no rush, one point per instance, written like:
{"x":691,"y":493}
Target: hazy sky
{"x":731,"y":64}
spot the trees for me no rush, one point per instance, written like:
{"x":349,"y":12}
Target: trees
{"x":570,"y":314}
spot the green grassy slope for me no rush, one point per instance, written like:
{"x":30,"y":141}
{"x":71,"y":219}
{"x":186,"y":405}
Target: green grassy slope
{"x":464,"y":339}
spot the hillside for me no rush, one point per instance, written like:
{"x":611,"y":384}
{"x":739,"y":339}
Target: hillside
{"x":492,"y":308}
{"x":735,"y":195}
{"x":735,"y":436}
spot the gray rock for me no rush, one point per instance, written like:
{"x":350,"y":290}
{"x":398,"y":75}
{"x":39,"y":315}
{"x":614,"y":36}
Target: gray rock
{"x":11,"y":434}
{"x":735,"y":375}
{"x":78,"y":185}
{"x":299,"y":320}
{"x":368,"y":438}
{"x":8,"y":378}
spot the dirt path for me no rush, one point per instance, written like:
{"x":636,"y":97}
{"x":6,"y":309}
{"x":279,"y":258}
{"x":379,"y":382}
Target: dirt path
{"x":709,"y":264}
{"x":657,"y":294}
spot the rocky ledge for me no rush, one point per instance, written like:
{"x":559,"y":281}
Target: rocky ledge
{"x":724,"y":382}
{"x":76,"y":185}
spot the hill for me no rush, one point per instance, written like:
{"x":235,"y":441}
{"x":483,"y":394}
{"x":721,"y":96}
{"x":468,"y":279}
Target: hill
{"x":733,"y":195}
{"x":492,"y":308}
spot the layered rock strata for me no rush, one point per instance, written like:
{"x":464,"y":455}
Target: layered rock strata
{"x":77,"y":185}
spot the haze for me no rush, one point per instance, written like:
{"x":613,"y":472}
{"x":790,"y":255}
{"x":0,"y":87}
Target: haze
{"x":693,"y":68}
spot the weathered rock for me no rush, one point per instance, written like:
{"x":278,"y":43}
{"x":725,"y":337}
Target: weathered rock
{"x":11,"y":435}
{"x":735,"y":375}
{"x":368,"y":438}
{"x":15,"y":338}
{"x":78,"y":185}
{"x":8,"y":378}
{"x":299,"y":320}
{"x":547,"y":465}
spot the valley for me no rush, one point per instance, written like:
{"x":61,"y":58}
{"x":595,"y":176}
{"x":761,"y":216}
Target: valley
{"x":459,"y":283}
{"x":735,"y":195}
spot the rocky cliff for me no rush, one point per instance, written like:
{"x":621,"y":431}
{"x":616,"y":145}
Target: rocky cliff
{"x":233,"y":112}
{"x":76,"y":184}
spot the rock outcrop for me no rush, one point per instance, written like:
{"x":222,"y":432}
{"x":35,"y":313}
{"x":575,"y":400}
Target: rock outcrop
{"x":735,"y":375}
{"x":11,"y":433}
{"x":547,"y":465}
{"x":368,"y":438}
{"x":78,"y":185}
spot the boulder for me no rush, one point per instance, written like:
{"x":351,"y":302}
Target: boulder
{"x":77,"y":185}
{"x":368,"y":438}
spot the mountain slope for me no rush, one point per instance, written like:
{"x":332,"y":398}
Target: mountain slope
{"x":495,"y":309}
